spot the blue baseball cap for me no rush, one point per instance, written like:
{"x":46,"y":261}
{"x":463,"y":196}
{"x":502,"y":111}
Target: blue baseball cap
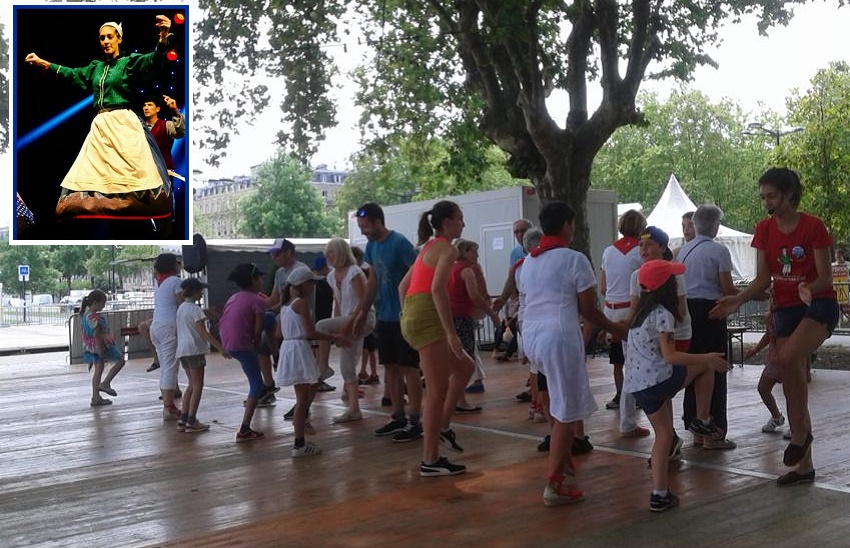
{"x":655,"y":234}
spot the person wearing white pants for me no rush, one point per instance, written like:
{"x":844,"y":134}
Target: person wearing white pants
{"x":348,"y":283}
{"x":163,"y":330}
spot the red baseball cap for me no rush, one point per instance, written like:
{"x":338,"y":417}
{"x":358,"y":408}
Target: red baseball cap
{"x":654,"y":273}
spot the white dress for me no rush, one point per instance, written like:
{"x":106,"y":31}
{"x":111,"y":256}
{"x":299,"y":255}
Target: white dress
{"x":296,"y":364}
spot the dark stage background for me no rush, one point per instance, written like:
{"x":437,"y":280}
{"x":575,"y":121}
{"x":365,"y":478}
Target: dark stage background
{"x":69,"y":36}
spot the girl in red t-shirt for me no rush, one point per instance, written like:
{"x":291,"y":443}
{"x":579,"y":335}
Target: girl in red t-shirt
{"x":794,"y":253}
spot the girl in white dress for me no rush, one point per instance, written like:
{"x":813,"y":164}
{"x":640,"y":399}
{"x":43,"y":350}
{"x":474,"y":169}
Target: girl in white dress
{"x":296,"y":366}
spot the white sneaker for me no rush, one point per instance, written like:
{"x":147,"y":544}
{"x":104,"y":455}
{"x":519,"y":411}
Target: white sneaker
{"x":774,"y":423}
{"x":309,"y":449}
{"x":348,"y":416}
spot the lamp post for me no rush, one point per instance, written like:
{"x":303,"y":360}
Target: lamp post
{"x":757,"y":128}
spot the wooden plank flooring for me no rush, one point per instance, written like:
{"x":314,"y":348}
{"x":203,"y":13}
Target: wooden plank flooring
{"x":73,"y":476}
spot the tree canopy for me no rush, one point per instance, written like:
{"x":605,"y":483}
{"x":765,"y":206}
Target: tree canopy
{"x":467,"y":70}
{"x":285,"y":203}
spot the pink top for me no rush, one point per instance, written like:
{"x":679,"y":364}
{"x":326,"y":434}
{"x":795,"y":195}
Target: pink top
{"x":236,"y":326}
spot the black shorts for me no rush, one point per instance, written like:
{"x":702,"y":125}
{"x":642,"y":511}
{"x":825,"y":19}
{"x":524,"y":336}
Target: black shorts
{"x":542,"y":384}
{"x":615,"y":353}
{"x":392,"y":348}
{"x":651,"y":399}
{"x":370,"y":343}
{"x":824,"y":311}
{"x":465,"y":328}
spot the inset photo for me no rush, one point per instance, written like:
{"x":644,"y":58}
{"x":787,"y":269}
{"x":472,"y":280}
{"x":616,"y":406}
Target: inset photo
{"x":100,"y":146}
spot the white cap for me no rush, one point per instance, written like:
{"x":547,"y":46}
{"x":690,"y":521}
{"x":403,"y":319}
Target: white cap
{"x":301,"y":274}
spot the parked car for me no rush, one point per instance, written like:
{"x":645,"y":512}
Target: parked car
{"x":42,"y":299}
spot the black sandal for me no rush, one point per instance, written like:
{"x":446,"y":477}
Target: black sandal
{"x":795,"y":453}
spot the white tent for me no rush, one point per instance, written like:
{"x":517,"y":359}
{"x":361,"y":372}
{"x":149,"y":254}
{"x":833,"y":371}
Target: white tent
{"x":667,"y":215}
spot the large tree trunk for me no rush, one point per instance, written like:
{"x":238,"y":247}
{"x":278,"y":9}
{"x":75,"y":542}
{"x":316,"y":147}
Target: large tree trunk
{"x":567,"y":178}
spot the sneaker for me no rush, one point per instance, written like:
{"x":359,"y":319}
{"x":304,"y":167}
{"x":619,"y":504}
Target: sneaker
{"x":266,"y":401}
{"x":636,"y":432}
{"x":309,"y":449}
{"x":449,"y":441}
{"x":582,"y":446}
{"x":362,"y":377}
{"x":659,"y":503}
{"x":719,"y":444}
{"x":442,"y":467}
{"x":373,"y":379}
{"x":543,"y":446}
{"x":774,"y":423}
{"x":324,"y":387}
{"x":614,"y":403}
{"x":793,"y":478}
{"x":676,"y":449}
{"x":152,"y":367}
{"x":171,"y":413}
{"x":524,"y":396}
{"x":708,"y":431}
{"x":196,"y":426}
{"x":558,"y":494}
{"x":467,"y":410}
{"x":289,"y":414}
{"x":328,"y":373}
{"x":539,"y":416}
{"x":181,"y":426}
{"x":392,"y":427}
{"x":411,"y":432}
{"x":475,"y":388}
{"x":99,"y":401}
{"x":249,"y":435}
{"x":347,"y":416}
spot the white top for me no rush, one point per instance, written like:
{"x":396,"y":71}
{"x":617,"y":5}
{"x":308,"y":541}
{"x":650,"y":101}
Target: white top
{"x":683,"y":328}
{"x":645,"y":365}
{"x":165,"y":300}
{"x":189,"y":339}
{"x":344,"y":292}
{"x":618,"y":269}
{"x":551,"y":283}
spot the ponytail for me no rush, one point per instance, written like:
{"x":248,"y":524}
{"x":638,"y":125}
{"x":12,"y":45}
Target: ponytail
{"x":424,"y":230}
{"x":441,"y":211}
{"x":95,"y":296}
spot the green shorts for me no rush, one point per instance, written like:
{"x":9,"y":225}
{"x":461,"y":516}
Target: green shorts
{"x":420,"y":323}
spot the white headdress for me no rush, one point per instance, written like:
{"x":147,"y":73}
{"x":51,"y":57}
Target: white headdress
{"x":116,"y":26}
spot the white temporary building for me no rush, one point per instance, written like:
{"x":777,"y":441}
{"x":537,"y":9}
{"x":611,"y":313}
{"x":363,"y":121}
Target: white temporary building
{"x":667,"y":215}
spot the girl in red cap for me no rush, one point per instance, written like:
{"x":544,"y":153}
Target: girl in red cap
{"x":650,"y":375}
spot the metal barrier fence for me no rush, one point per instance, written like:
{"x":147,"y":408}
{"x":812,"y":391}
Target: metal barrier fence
{"x":58,"y":314}
{"x":123,"y":328}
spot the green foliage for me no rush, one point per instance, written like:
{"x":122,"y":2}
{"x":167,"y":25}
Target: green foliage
{"x":44,"y":278}
{"x":701,"y":142}
{"x":285,"y":203}
{"x":821,"y":152}
{"x":463,"y":71}
{"x":400,"y":170}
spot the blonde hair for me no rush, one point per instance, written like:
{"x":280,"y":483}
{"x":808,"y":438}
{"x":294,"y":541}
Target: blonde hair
{"x":464,"y":247}
{"x":342,"y":255}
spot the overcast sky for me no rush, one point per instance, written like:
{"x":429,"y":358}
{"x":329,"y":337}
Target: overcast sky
{"x":758,"y":72}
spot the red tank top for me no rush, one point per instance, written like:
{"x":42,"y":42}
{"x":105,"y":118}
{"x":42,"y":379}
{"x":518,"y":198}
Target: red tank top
{"x":423,"y":275}
{"x":459,"y":300}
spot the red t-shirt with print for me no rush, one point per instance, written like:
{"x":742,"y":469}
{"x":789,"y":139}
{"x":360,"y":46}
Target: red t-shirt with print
{"x":792,"y":256}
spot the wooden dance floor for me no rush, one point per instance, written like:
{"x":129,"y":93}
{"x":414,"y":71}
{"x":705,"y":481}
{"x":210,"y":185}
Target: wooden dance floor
{"x":74,"y":476}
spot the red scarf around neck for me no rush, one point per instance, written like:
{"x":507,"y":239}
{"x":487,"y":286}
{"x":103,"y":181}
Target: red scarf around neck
{"x":547,"y":243}
{"x":626,"y":244}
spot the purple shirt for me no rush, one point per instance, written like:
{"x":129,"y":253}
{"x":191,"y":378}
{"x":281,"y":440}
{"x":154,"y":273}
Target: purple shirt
{"x":236,"y":326}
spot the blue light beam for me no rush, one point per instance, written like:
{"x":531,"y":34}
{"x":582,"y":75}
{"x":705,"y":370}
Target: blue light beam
{"x":53,"y":123}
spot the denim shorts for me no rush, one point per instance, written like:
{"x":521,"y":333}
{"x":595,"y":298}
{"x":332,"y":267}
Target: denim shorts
{"x":651,"y":399}
{"x":823,"y":311}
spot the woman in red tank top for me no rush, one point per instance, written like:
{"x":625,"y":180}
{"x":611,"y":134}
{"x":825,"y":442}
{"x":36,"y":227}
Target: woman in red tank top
{"x":427,"y":325}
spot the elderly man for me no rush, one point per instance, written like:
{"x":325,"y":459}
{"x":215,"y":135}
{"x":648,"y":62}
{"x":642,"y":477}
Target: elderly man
{"x":707,"y":278}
